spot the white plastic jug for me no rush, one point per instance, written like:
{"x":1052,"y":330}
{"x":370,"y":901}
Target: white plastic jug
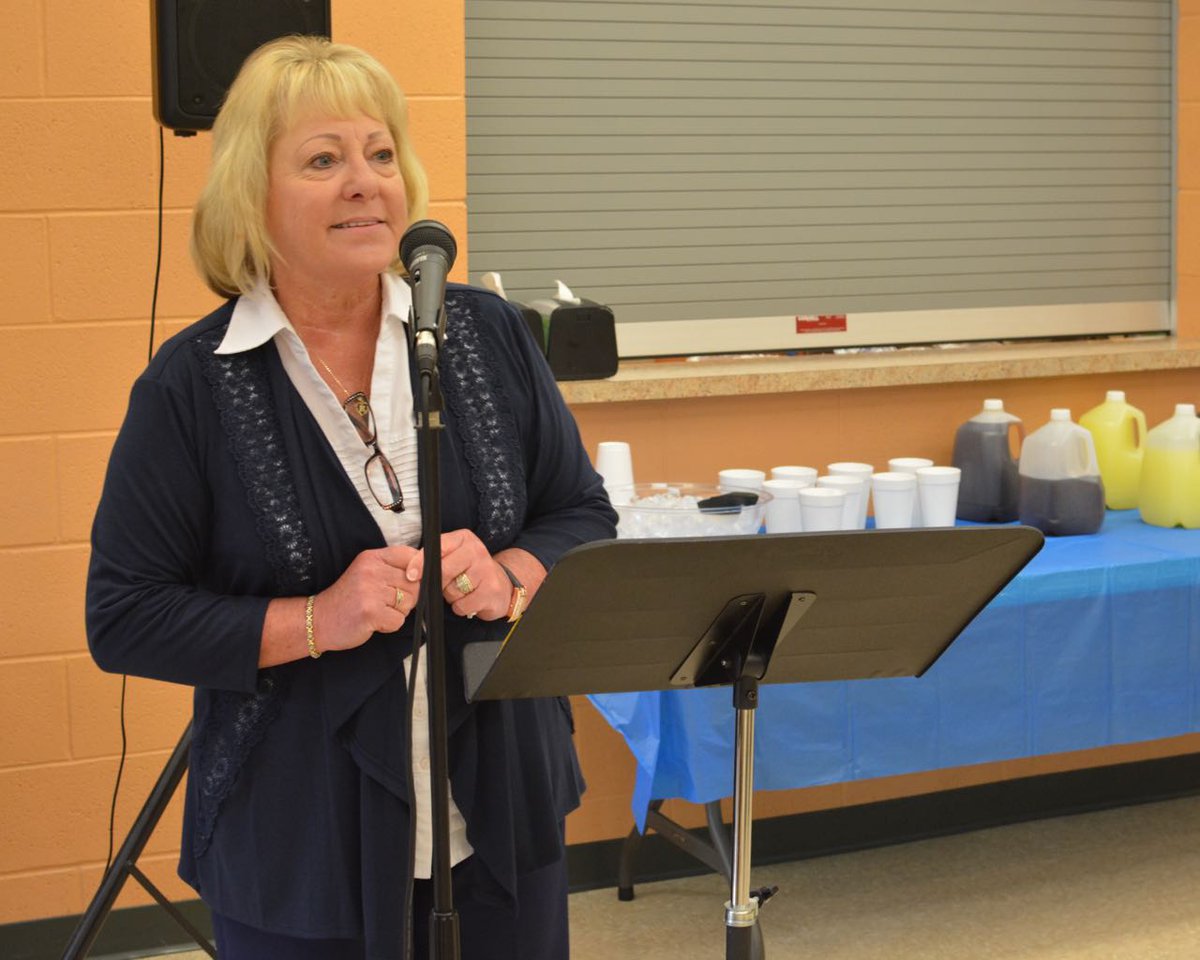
{"x":1061,"y":490}
{"x":1169,"y":495}
{"x":987,"y":490}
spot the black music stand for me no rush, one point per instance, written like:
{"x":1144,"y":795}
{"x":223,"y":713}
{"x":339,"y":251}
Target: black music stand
{"x":631,"y":615}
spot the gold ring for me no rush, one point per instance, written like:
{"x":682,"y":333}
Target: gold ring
{"x":464,"y":584}
{"x":399,"y":598}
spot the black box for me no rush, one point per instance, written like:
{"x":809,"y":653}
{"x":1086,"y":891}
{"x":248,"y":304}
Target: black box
{"x":582,"y":343}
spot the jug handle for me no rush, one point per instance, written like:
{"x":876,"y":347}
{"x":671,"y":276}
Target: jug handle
{"x":1139,"y":428}
{"x":1085,"y":441}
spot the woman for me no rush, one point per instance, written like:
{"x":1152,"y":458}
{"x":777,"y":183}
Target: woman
{"x":259,"y":538}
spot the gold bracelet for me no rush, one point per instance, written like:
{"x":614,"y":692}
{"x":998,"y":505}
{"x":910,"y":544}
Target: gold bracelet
{"x":308,"y":628}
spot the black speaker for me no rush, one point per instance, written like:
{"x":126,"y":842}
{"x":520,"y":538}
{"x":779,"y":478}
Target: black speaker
{"x":582,"y":344}
{"x":199,"y":46}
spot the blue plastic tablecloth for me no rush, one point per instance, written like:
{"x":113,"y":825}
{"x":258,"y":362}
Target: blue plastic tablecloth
{"x":1096,"y":642}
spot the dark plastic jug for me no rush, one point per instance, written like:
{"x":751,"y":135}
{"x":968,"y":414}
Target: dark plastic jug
{"x":1063,"y":508}
{"x":989,"y":488}
{"x":1061,"y":490}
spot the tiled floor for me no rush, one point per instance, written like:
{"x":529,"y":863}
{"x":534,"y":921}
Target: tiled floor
{"x":1113,"y":885}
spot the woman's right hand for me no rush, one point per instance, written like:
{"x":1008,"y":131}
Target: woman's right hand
{"x":372,"y":596}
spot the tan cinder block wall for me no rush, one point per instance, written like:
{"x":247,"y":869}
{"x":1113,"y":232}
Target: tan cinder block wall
{"x":77,"y":237}
{"x":1187,"y":232}
{"x":77,"y":230}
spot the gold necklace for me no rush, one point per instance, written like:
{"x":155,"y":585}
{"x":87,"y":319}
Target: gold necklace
{"x":362,"y":404}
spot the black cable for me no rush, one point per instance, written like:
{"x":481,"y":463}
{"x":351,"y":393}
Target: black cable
{"x":112,"y":811}
{"x":158,"y":251}
{"x":418,"y":615}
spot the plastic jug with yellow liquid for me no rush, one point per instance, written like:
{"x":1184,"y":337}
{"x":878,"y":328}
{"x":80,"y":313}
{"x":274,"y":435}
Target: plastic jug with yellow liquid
{"x":1118,"y":429}
{"x":1169,"y":495}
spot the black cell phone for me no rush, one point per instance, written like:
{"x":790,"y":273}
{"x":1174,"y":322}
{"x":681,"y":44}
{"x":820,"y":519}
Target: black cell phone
{"x":731,"y":502}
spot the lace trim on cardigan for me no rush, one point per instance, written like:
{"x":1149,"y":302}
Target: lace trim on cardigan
{"x":475,"y":395}
{"x":237,"y":722}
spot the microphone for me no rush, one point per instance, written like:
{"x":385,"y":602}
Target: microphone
{"x":427,"y":251}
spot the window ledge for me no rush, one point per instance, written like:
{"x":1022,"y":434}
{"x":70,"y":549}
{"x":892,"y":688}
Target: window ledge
{"x":741,"y":376}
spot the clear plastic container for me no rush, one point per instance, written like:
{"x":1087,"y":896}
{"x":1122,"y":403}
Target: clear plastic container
{"x":648,"y":510}
{"x":1061,"y":490}
{"x":1169,"y":495}
{"x":983,"y":447}
{"x":1118,"y":429}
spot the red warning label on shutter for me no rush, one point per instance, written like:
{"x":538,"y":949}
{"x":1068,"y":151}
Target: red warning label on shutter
{"x":826,"y":323}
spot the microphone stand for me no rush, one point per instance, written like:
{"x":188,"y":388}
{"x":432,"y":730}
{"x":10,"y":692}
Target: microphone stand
{"x":443,"y":920}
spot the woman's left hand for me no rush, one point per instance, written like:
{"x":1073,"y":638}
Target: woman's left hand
{"x":473,"y":583}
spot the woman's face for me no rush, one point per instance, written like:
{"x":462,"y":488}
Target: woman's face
{"x":336,"y":206}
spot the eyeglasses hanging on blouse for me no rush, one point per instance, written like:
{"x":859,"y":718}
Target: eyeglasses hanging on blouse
{"x":381,"y":478}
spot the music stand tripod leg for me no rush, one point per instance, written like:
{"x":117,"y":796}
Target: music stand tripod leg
{"x":124,"y":864}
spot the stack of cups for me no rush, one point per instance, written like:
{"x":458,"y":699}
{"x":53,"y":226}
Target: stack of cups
{"x":749,"y":481}
{"x":853,"y":514}
{"x":895,"y":497}
{"x":783,"y":513}
{"x":862,"y":472}
{"x":937,"y":495}
{"x":783,"y":509}
{"x":614,"y":463}
{"x":740,"y":479}
{"x":822,"y":509}
{"x":899,"y":495}
{"x":807,"y":475}
{"x":911,"y":465}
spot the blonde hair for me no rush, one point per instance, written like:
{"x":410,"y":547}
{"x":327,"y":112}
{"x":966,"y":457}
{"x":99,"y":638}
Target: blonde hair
{"x":279,"y":82}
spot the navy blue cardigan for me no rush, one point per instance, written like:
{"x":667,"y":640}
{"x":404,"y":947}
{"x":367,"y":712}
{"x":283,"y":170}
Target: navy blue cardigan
{"x":221,"y":493}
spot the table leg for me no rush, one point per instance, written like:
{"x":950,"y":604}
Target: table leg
{"x":716,"y":856}
{"x":629,"y":851}
{"x":721,"y":840}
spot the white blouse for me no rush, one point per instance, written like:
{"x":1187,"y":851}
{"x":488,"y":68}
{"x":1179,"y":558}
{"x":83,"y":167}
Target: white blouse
{"x":257,"y":318}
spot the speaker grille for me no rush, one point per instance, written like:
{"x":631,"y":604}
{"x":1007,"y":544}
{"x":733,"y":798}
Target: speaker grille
{"x":201,"y":45}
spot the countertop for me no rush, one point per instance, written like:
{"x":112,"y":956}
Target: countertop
{"x":778,"y":373}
